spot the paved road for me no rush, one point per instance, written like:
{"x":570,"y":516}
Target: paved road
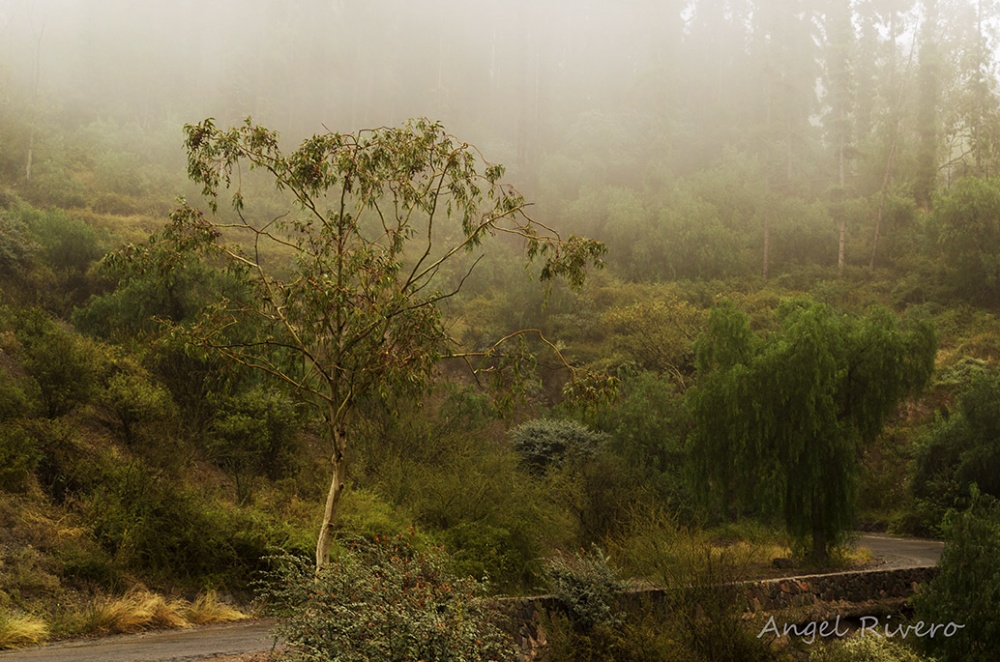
{"x":169,"y":646}
{"x":896,"y":552}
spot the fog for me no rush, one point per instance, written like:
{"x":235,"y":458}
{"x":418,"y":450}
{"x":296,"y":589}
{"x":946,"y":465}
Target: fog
{"x":811,"y":100}
{"x":519,"y":78}
{"x":346,"y":64}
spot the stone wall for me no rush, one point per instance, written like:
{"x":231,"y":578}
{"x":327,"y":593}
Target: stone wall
{"x":834,"y":591}
{"x":853,"y":587}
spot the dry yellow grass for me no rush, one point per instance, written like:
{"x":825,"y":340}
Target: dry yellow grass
{"x":207,"y":608}
{"x":140,"y":610}
{"x":21,"y":630}
{"x":135,"y":611}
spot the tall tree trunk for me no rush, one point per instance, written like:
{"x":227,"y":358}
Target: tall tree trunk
{"x":338,"y":475}
{"x":820,"y":544}
{"x":36,"y":75}
{"x":891,"y":158}
{"x":767,"y":245}
{"x":842,"y":231}
{"x":31,"y":152}
{"x":929,"y":90}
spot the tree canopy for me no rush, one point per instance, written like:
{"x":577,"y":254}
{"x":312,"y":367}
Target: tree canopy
{"x":339,"y":296}
{"x":782,"y":417}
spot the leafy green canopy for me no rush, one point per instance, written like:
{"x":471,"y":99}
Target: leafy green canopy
{"x":967,"y":223}
{"x":960,"y":450}
{"x":371,"y":255}
{"x":781,"y":419}
{"x":339,"y":296}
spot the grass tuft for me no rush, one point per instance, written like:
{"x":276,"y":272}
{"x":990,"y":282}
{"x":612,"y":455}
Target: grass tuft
{"x":207,"y":608}
{"x":135,"y":611}
{"x":17,"y":631}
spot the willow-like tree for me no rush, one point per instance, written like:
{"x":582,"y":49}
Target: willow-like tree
{"x":782,"y":419}
{"x":374,"y":244}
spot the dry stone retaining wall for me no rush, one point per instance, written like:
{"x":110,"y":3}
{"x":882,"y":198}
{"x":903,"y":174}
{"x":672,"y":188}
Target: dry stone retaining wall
{"x":856,"y":587}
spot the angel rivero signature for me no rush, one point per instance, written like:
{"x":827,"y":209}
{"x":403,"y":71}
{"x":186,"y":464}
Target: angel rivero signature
{"x":870,"y":626}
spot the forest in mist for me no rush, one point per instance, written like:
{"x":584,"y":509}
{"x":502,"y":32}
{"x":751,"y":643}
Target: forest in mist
{"x":271,"y":308}
{"x":624,"y":109}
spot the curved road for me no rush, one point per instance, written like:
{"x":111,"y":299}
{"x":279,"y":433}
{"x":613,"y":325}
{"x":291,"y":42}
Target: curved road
{"x":890,"y":552}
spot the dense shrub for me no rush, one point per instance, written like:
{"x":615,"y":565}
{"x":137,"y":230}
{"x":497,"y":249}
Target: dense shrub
{"x":14,"y":402}
{"x":966,"y":590}
{"x":19,"y":455}
{"x":253,"y":435}
{"x":67,"y":243}
{"x":148,"y":524}
{"x":383,"y":600}
{"x":960,"y":450}
{"x":865,"y":649}
{"x":466,"y":490}
{"x":965,"y":222}
{"x":18,"y":248}
{"x":60,"y":362}
{"x":587,"y":587}
{"x":544,"y":443}
{"x":131,"y":399}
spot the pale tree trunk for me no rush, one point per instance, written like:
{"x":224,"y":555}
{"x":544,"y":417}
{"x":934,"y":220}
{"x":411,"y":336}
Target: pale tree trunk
{"x":36,"y":75}
{"x":881,"y":203}
{"x":842,"y":238}
{"x":767,"y":245}
{"x":31,"y":153}
{"x":889,"y":163}
{"x":337,"y":481}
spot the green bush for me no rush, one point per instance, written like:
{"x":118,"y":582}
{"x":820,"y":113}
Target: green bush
{"x":383,"y":600}
{"x":61,"y":363}
{"x":253,"y":435}
{"x":19,"y":455}
{"x":966,"y":590}
{"x":967,"y":233}
{"x":147,"y":522}
{"x":958,"y":451}
{"x":465,"y":490}
{"x":67,"y":243}
{"x":865,"y":649}
{"x":544,"y":443}
{"x":18,"y":248}
{"x":131,"y":399}
{"x":587,"y":587}
{"x":14,"y":402}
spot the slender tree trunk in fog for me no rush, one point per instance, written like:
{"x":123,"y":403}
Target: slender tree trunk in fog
{"x":767,"y":245}
{"x":890,"y":161}
{"x":840,"y":79}
{"x":842,"y":231}
{"x":34,"y":103}
{"x":929,"y":91}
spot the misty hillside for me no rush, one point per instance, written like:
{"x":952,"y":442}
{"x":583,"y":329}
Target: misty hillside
{"x":542,"y":294}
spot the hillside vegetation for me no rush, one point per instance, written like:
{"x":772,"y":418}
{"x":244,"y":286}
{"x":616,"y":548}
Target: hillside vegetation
{"x":735,"y":316}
